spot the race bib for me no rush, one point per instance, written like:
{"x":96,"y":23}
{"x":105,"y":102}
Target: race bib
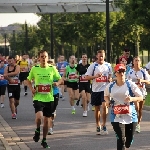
{"x":72,"y":76}
{"x":24,"y":69}
{"x":43,"y":89}
{"x":82,"y":78}
{"x":102,"y":79}
{"x":14,"y":82}
{"x":61,"y":71}
{"x":121,"y":109}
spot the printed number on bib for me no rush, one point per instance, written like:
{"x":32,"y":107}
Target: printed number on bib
{"x":44,"y":89}
{"x":102,"y":79}
{"x":14,"y":82}
{"x":121,"y":109}
{"x":72,"y":76}
{"x":82,"y":78}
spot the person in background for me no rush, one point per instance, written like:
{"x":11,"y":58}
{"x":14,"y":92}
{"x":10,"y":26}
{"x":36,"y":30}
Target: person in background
{"x":3,"y":83}
{"x":123,"y":94}
{"x":126,"y":53}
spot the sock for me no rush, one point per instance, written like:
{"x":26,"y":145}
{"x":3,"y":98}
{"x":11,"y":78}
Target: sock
{"x":72,"y":107}
{"x":44,"y":139}
{"x":38,"y":129}
{"x":25,"y":88}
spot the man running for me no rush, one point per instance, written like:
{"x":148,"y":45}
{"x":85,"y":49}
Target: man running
{"x":61,"y":65}
{"x":24,"y":72}
{"x":43,"y":100}
{"x":11,"y":73}
{"x":100,"y":72}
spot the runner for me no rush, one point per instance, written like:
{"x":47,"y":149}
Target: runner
{"x":72,"y":82}
{"x":24,"y":72}
{"x":100,"y":72}
{"x":3,"y":83}
{"x":84,"y":85}
{"x":61,"y":65}
{"x":43,"y":99}
{"x":123,"y":114}
{"x":139,"y":76}
{"x":11,"y":73}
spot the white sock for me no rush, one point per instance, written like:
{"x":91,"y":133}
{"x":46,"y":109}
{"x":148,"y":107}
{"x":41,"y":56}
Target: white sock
{"x":72,"y":107}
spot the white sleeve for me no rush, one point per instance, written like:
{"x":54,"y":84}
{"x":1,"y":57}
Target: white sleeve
{"x":136,"y":91}
{"x":90,"y":70}
{"x":148,"y":66}
{"x":147,"y":77}
{"x":110,"y":70}
{"x":106,"y":91}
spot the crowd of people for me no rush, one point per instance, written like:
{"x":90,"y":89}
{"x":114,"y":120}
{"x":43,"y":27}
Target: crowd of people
{"x":122,"y":89}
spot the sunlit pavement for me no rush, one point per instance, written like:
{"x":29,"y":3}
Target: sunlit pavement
{"x":71,"y":132}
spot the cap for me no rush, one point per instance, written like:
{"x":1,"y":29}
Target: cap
{"x":123,"y":57}
{"x":126,"y":49}
{"x":119,"y":66}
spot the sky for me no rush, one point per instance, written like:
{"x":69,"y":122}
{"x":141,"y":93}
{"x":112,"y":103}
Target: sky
{"x":7,"y":19}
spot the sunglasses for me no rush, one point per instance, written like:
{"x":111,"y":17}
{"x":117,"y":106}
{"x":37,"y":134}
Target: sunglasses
{"x":121,"y":71}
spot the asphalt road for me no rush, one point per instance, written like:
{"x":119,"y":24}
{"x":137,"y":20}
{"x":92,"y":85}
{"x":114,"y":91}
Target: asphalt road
{"x":71,"y":132}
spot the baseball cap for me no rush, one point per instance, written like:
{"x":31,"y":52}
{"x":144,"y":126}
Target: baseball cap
{"x":126,"y":49}
{"x":119,"y":67}
{"x":123,"y":57}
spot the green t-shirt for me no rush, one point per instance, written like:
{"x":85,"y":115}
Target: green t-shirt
{"x":44,"y":77}
{"x":71,"y":72}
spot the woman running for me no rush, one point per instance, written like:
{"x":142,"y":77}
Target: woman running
{"x":139,"y":76}
{"x":124,"y":119}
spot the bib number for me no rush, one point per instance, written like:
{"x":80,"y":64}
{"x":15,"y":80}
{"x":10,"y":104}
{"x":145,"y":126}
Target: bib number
{"x":82,"y":78}
{"x":121,"y":109}
{"x":14,"y":82}
{"x":43,"y":89}
{"x":102,"y":79}
{"x":72,"y":76}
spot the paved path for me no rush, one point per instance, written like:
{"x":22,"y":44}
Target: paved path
{"x":71,"y":132}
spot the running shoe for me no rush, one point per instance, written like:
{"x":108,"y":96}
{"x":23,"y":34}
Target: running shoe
{"x":138,"y":129}
{"x":81,"y":105}
{"x":104,"y":131}
{"x":50,"y":132}
{"x":25,"y":94}
{"x":85,"y":114}
{"x":60,"y":96}
{"x":14,"y":116}
{"x":77,"y":103}
{"x":36,"y":136}
{"x":73,"y":111}
{"x":98,"y":130}
{"x":63,"y":98}
{"x":44,"y":144}
{"x":2,"y":105}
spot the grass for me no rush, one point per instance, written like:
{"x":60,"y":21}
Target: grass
{"x":147,"y":101}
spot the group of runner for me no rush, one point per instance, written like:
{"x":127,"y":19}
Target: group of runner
{"x":124,"y":90}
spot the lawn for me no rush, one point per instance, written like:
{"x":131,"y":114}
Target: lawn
{"x":147,"y":101}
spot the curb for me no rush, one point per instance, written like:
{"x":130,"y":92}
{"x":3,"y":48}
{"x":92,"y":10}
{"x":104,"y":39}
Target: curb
{"x":5,"y":143}
{"x":146,"y":108}
{"x":9,"y":138}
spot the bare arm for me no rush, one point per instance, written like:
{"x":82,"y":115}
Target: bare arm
{"x":17,"y":71}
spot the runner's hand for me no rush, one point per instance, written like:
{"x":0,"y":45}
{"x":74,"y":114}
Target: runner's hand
{"x":98,"y":75}
{"x":33,"y":91}
{"x":128,"y":99}
{"x":55,"y":84}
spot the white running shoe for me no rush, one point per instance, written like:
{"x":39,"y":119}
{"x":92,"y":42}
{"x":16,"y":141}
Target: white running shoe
{"x":2,"y":105}
{"x":85,"y":114}
{"x":50,"y":132}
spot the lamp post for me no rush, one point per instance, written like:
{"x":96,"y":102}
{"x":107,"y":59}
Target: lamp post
{"x":107,"y":32}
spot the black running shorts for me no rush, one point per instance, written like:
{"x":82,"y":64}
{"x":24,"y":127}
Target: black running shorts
{"x":2,"y":89}
{"x":97,"y":98}
{"x":46,"y":107}
{"x":13,"y":91}
{"x":84,"y":86}
{"x":73,"y":85}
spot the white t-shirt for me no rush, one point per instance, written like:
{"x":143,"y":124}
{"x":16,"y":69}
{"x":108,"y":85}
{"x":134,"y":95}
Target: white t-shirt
{"x":148,"y":66}
{"x":134,"y":75}
{"x":119,"y":94}
{"x":99,"y":84}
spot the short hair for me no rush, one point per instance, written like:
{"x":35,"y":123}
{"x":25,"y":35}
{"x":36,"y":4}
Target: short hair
{"x":100,"y":51}
{"x":42,"y":51}
{"x":73,"y":56}
{"x":11,"y":57}
{"x":84,"y":54}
